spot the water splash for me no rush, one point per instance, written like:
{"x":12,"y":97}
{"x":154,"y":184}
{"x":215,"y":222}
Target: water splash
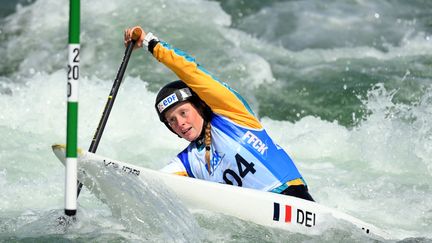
{"x":144,"y":207}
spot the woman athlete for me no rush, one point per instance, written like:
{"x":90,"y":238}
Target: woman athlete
{"x":227,"y":141}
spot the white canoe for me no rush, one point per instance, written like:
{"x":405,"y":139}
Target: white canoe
{"x":263,"y":208}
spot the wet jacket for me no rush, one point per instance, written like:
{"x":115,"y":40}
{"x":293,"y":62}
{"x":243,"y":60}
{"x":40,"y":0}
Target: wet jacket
{"x":242,"y":153}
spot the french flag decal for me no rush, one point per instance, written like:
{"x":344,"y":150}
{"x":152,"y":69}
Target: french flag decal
{"x":279,"y":212}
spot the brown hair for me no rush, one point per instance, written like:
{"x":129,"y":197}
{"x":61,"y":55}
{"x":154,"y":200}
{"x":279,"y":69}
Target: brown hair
{"x":207,"y":141}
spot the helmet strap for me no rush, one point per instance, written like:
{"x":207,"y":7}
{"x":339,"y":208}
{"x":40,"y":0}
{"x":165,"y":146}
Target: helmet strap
{"x":200,"y":140}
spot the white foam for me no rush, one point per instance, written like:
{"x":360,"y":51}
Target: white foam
{"x":371,"y":171}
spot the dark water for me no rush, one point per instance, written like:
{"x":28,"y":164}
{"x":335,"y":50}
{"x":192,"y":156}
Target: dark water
{"x":351,"y":47}
{"x":343,"y":86}
{"x":9,"y":7}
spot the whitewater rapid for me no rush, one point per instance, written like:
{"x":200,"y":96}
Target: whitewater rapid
{"x":356,"y":118}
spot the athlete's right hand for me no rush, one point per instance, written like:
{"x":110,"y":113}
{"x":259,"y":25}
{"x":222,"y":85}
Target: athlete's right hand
{"x":136,"y":33}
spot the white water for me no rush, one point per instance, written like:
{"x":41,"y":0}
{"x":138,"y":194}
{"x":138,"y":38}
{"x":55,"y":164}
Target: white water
{"x":379,"y":171}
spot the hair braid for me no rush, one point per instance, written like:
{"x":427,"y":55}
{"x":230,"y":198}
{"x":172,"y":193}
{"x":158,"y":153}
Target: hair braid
{"x":207,"y":141}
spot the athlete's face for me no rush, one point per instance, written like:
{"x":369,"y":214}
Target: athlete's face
{"x":185,"y":120}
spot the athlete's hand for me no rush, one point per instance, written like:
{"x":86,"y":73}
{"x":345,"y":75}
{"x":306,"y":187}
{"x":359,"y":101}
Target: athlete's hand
{"x":135,"y":33}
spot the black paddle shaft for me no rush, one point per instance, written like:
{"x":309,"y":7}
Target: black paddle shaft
{"x":110,"y":102}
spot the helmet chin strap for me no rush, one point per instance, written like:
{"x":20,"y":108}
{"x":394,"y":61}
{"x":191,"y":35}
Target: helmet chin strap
{"x":206,"y":114}
{"x":200,"y":139}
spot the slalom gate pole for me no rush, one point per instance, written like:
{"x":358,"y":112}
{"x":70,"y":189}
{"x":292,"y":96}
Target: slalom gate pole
{"x":72,"y":109}
{"x":111,"y":98}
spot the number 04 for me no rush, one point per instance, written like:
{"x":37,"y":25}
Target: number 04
{"x":244,"y":168}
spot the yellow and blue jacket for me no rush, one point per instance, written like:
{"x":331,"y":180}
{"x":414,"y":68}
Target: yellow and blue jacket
{"x":242,"y":153}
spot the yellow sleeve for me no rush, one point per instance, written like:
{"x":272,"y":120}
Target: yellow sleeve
{"x":220,"y":97}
